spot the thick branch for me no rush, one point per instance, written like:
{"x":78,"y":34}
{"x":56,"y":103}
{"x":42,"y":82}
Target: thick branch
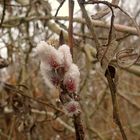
{"x":13,"y":22}
{"x":116,"y":117}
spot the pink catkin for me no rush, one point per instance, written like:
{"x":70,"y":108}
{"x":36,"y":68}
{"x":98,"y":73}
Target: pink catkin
{"x":72,"y":108}
{"x":67,"y":57}
{"x":49,"y":55}
{"x":57,"y":66}
{"x":72,"y":79}
{"x":46,"y":73}
{"x":50,"y":76}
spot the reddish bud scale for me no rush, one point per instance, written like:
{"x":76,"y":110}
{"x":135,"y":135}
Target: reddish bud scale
{"x":70,"y":85}
{"x":53,"y":63}
{"x":55,"y":80}
{"x":72,"y":108}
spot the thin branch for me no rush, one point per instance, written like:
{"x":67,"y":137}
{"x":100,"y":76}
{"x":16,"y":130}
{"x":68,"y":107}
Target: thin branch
{"x":93,"y":130}
{"x":103,"y":12}
{"x":15,"y":5}
{"x":89,"y":24}
{"x":3,"y":12}
{"x":57,"y":119}
{"x":12,"y":88}
{"x":79,"y":131}
{"x":97,"y":106}
{"x":115,"y":6}
{"x":129,"y":100}
{"x":3,"y":134}
{"x":112,"y":19}
{"x":137,"y":124}
{"x":70,"y":30}
{"x":61,"y":4}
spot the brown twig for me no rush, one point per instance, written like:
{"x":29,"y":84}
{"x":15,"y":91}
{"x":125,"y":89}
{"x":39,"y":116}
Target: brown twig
{"x":61,"y":4}
{"x":112,"y":18}
{"x":96,"y":23}
{"x":116,"y":117}
{"x":111,"y":35}
{"x":3,"y":12}
{"x":70,"y":30}
{"x":61,"y":38}
{"x":13,"y":88}
{"x":115,"y":6}
{"x":83,"y":32}
{"x":78,"y":127}
{"x":108,"y":74}
{"x":79,"y":131}
{"x":89,"y":24}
